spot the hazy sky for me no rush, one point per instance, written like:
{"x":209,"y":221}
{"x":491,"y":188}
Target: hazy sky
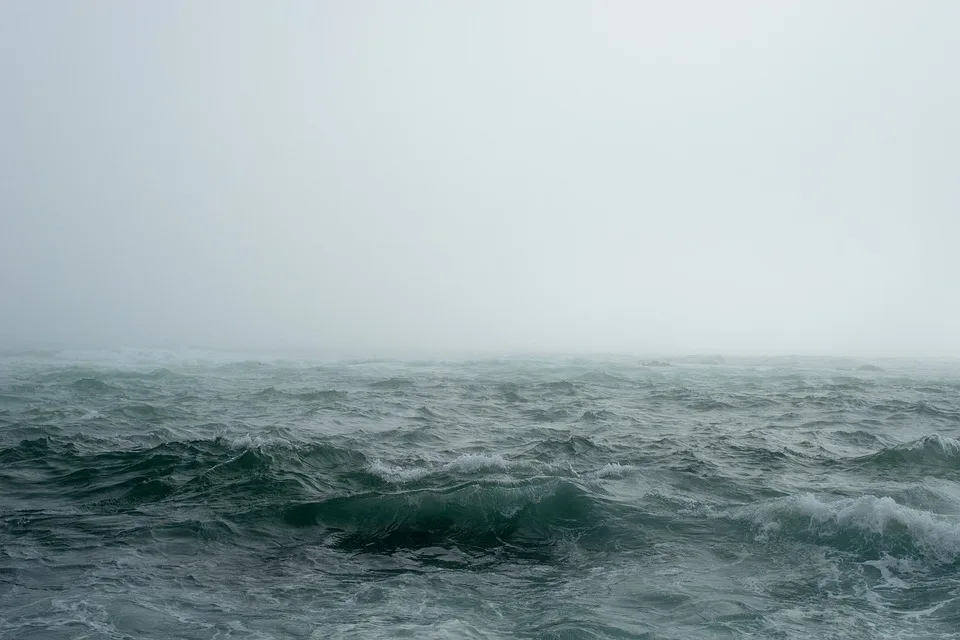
{"x":652,"y":177}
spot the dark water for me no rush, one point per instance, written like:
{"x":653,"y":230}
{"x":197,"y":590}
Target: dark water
{"x":158,"y":495}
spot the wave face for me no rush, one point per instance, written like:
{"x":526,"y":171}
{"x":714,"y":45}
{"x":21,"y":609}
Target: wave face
{"x":154,"y":494}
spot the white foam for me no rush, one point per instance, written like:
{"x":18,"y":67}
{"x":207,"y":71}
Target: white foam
{"x":92,"y":615}
{"x":890,"y":569}
{"x":396,"y":474}
{"x":374,"y":626}
{"x":612,"y":470}
{"x":248,"y":441}
{"x":935,"y":534}
{"x":466,"y":463}
{"x":935,"y":441}
{"x":473,"y":462}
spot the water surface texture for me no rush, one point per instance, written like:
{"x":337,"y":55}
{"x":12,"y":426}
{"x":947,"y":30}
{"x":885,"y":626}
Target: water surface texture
{"x":147,"y":494}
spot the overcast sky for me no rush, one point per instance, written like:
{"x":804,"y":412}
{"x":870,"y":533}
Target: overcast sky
{"x":649,"y":177}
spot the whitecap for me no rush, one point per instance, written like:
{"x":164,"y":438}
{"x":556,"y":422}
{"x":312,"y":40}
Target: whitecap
{"x":935,"y":535}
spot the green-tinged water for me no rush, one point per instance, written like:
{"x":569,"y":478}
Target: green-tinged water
{"x":200,"y":495}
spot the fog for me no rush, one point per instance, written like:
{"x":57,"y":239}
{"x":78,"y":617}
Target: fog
{"x":378,"y":177}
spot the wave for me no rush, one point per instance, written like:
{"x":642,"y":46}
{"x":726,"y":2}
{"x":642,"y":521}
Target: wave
{"x":709,"y":405}
{"x":858,"y":438}
{"x":472,"y":516}
{"x":140,"y":414}
{"x":242,"y":366}
{"x":154,"y":375}
{"x":268,"y":393}
{"x":426,"y":414}
{"x":694,"y":399}
{"x":262,"y":484}
{"x":606,"y":379}
{"x":554,"y":414}
{"x":599,"y":415}
{"x":561,"y":387}
{"x":92,"y":386}
{"x":510,"y":392}
{"x":393,"y":384}
{"x":27,"y":449}
{"x":927,"y":410}
{"x":216,"y":470}
{"x":327,"y":395}
{"x":925,"y":454}
{"x":552,"y":450}
{"x":869,"y":526}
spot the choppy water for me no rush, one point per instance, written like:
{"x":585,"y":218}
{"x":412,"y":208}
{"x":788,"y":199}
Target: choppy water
{"x":192,"y":495}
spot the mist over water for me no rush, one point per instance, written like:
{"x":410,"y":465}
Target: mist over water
{"x":195,"y":494}
{"x":384,"y":179}
{"x":356,"y":320}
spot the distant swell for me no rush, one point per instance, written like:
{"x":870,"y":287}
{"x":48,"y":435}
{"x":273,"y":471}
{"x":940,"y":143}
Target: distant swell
{"x":329,"y":395}
{"x":392,"y":384}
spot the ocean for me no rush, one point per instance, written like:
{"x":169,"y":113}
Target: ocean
{"x":192,"y":494}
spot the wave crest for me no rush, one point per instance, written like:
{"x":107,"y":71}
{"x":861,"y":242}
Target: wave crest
{"x":929,"y":451}
{"x":471,"y":516}
{"x":468,"y":463}
{"x":868,"y":525}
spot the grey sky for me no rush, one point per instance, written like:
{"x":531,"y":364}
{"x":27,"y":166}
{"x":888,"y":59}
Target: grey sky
{"x":738,"y":177}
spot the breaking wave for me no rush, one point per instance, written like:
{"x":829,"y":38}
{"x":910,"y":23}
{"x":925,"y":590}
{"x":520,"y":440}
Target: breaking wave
{"x":869,"y":526}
